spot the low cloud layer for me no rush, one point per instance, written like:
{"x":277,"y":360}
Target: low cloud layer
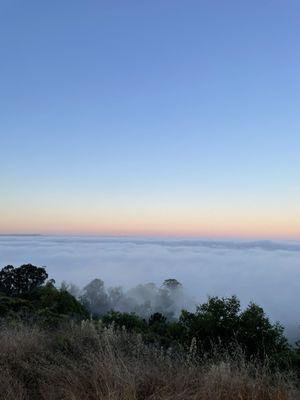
{"x":266,"y":272}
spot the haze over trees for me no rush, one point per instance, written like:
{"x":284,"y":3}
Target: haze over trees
{"x":143,"y":299}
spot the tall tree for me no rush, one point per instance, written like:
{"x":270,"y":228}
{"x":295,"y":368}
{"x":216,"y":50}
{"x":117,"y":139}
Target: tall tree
{"x":21,"y":280}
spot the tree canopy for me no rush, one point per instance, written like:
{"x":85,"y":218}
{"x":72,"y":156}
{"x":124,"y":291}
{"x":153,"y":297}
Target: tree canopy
{"x":21,"y":280}
{"x":25,"y":294}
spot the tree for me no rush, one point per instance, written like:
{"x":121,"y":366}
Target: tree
{"x":21,"y":280}
{"x":7,"y":280}
{"x":215,"y":322}
{"x":95,"y":298}
{"x":220,"y":321}
{"x":60,"y":302}
{"x":116,"y":296}
{"x":157,"y":318}
{"x":257,"y":335}
{"x":172,"y":284}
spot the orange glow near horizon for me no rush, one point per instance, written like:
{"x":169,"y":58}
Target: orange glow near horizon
{"x":264,"y":229}
{"x":157,"y":219}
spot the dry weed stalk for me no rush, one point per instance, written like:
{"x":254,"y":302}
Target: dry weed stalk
{"x":96,"y":363}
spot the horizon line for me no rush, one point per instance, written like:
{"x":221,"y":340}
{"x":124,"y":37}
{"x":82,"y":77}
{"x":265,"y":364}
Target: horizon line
{"x":154,"y":235}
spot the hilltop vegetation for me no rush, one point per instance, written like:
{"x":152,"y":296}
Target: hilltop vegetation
{"x":217,"y":352}
{"x":25,"y":295}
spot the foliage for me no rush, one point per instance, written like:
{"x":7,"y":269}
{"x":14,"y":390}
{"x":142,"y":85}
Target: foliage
{"x":172,"y":284}
{"x":95,"y":298}
{"x":21,"y":280}
{"x":218,"y":323}
{"x":54,"y":302}
{"x":214,"y":322}
{"x":257,"y":335}
{"x":11,"y":306}
{"x":130,"y":321}
{"x":26,"y":296}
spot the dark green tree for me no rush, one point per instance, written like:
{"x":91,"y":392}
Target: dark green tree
{"x":219,"y":322}
{"x":130,"y":321}
{"x":214,"y":322}
{"x":257,"y":335}
{"x":157,"y":318}
{"x":19,"y":281}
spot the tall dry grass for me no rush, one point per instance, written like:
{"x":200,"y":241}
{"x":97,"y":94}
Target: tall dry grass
{"x":91,"y":362}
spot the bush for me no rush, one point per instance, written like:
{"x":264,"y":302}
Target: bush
{"x":131,"y":322}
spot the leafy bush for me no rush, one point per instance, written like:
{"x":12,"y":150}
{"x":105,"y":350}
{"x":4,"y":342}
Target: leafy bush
{"x":131,"y":322}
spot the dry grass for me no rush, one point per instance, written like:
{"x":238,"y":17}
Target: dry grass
{"x":88,"y":363}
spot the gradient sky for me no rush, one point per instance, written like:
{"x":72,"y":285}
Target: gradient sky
{"x":158,"y":117}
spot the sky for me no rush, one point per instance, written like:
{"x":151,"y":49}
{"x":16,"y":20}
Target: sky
{"x":175,"y":118}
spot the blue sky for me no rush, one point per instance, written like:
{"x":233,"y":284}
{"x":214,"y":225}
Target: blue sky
{"x":164,"y":117}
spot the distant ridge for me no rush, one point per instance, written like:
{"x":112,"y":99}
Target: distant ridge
{"x":21,"y":234}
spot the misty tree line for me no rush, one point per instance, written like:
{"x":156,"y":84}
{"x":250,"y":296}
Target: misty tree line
{"x":144,"y":299}
{"x":28,"y":296}
{"x":26,"y":288}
